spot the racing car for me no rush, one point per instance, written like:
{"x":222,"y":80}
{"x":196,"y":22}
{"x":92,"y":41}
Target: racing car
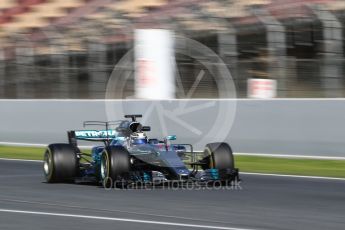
{"x":128,"y":155}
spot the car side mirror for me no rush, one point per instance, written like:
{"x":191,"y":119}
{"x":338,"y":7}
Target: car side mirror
{"x":171,"y":137}
{"x":146,"y":128}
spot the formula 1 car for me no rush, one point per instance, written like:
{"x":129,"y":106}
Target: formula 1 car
{"x":127,"y":155}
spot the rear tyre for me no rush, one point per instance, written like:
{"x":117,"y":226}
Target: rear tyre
{"x":115,"y":165}
{"x":60,"y":163}
{"x":218,"y":156}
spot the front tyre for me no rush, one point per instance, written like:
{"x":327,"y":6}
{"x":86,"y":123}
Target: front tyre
{"x":115,"y":165}
{"x":218,"y":156}
{"x":60,"y":163}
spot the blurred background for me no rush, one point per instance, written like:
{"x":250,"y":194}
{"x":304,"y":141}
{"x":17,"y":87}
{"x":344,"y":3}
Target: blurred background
{"x":68,"y":49}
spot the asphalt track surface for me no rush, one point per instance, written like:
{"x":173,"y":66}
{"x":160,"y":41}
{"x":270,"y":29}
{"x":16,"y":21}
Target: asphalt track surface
{"x":262,"y":202}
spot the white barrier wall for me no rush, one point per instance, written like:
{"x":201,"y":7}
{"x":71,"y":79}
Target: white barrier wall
{"x":305,"y":127}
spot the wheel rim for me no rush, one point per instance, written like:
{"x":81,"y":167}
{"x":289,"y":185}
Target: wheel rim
{"x":211,"y":160}
{"x":47,"y":165}
{"x":104,"y":166}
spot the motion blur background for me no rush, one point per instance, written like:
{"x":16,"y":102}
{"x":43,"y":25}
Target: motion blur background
{"x":68,"y":49}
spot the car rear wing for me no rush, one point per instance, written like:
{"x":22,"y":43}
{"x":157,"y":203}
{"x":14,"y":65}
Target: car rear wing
{"x":91,"y":135}
{"x":94,"y":135}
{"x":104,"y":135}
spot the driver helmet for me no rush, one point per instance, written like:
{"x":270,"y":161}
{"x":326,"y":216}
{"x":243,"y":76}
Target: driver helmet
{"x":138,"y":138}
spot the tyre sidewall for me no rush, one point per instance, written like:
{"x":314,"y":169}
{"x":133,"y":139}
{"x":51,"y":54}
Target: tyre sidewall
{"x":64,"y":163}
{"x":220,"y":155}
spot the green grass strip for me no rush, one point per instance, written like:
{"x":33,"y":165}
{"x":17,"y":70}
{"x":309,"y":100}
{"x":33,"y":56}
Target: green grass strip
{"x":291,"y":166}
{"x":258,"y":164}
{"x":27,"y":153}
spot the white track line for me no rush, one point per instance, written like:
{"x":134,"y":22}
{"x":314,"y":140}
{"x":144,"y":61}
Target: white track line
{"x":291,"y":156}
{"x":182,"y":99}
{"x":11,"y":159}
{"x":293,"y":176}
{"x":19,"y":144}
{"x":119,"y":219}
{"x":244,"y":173}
